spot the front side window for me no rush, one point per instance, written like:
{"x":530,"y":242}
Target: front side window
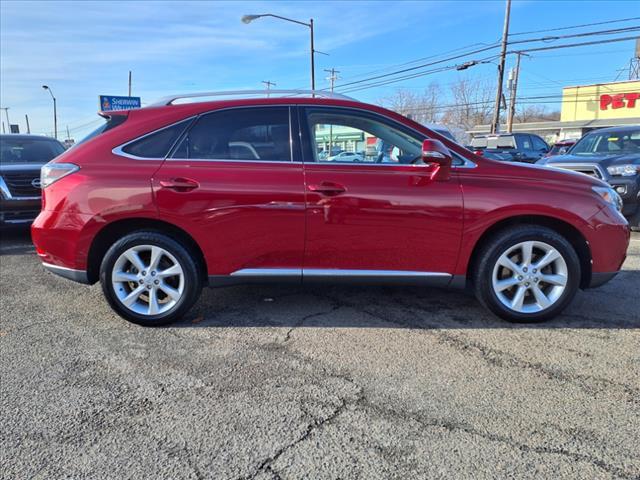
{"x":352,"y":138}
{"x":156,"y":144}
{"x":539,"y":144}
{"x":525,"y":142}
{"x":249,"y":134}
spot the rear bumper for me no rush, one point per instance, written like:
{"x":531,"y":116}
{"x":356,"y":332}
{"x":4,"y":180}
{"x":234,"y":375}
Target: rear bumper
{"x":62,"y":242}
{"x":79,"y":276}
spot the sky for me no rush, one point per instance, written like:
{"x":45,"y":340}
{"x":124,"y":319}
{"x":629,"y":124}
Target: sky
{"x":85,"y":49}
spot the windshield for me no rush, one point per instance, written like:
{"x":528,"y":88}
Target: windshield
{"x":609,"y":143}
{"x":28,"y":150}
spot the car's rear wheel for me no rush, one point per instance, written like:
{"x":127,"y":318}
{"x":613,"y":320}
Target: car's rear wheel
{"x":150,"y":279}
{"x":527,"y":274}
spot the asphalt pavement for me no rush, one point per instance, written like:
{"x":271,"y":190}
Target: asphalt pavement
{"x":314,"y":383}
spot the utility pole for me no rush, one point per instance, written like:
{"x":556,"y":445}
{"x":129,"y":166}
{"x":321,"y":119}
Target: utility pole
{"x":3,"y":128}
{"x":26,"y":117}
{"x":313,"y":63}
{"x":332,"y":78}
{"x":68,"y":136}
{"x":513,"y":89}
{"x":129,"y":83}
{"x":269,"y":84}
{"x":6,"y":112}
{"x":503,"y":53}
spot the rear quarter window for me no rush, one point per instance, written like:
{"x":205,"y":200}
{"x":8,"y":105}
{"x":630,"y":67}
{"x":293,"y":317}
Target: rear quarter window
{"x":156,"y":144}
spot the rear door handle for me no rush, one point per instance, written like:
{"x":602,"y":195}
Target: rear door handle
{"x":179,"y":184}
{"x":327,"y":188}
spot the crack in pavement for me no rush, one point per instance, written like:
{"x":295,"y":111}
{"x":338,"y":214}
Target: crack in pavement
{"x":318,"y":423}
{"x":298,"y":324}
{"x":453,"y":426}
{"x":503,"y":359}
{"x":500,"y":358}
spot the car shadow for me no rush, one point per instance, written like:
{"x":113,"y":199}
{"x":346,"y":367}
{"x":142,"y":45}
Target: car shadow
{"x":15,"y":240}
{"x":339,"y":306}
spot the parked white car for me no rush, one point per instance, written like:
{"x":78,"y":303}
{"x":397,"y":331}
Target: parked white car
{"x":346,"y":157}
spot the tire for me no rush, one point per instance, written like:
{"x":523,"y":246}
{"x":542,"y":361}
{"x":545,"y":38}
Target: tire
{"x":150,"y":296}
{"x":491,"y":277}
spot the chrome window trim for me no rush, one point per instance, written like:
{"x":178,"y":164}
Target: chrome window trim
{"x":119,"y":149}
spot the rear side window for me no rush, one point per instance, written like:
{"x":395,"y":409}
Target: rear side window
{"x":158,"y":143}
{"x":250,"y":134}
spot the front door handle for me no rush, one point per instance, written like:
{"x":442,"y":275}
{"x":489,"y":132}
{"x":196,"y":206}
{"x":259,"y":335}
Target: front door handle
{"x":179,"y":184}
{"x":328,"y":188}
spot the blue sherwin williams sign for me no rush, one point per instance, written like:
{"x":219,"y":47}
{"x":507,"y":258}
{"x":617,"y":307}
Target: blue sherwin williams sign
{"x":110,"y":102}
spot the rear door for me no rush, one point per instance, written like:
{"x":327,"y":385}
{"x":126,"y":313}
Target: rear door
{"x":235,"y":182}
{"x":379,"y":217}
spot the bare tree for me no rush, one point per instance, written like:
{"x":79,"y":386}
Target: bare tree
{"x":471,"y":104}
{"x":423,"y":107}
{"x":535,"y":113}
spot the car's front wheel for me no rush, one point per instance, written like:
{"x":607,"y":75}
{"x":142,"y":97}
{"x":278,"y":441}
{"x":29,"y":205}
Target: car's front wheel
{"x":150,"y":279}
{"x":527,"y":274}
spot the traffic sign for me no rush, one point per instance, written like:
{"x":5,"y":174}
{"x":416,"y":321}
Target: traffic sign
{"x":111,"y":102}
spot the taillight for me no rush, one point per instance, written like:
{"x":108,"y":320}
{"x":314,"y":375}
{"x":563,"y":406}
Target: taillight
{"x":52,"y":172}
{"x":478,"y":152}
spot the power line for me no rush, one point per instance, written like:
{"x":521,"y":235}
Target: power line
{"x":576,"y":26}
{"x":570,"y":45}
{"x":614,"y":31}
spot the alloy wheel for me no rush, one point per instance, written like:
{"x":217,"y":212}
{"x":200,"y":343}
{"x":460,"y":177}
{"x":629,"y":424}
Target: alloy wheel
{"x":530,"y":277}
{"x":148,"y":280}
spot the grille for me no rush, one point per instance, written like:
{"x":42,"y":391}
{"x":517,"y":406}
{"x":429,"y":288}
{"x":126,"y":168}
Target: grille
{"x":591,"y":171}
{"x":19,"y":184}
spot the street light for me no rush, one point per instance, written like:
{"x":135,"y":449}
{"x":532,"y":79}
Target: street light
{"x":251,"y":18}
{"x":55,"y":113}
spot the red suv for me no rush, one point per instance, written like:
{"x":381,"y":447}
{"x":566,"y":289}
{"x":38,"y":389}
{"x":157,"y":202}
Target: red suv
{"x":165,"y":199}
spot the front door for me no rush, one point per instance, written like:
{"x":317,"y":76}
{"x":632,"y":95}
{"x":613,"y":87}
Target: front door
{"x":235,"y":184}
{"x":376,"y":212}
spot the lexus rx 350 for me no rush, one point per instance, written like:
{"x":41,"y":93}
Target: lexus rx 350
{"x":166,"y":199}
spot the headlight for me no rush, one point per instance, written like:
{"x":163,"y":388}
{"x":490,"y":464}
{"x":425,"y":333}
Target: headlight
{"x":610,"y":196}
{"x":52,"y":172}
{"x":626,"y":170}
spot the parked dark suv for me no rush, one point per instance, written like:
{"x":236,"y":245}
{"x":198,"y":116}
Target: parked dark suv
{"x":613,"y":155}
{"x":510,"y":147}
{"x":21,"y":157}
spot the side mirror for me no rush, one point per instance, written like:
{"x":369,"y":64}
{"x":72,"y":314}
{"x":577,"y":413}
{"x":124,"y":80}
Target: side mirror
{"x":434,"y":152}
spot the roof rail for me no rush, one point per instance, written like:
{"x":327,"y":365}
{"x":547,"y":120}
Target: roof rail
{"x":249,"y":93}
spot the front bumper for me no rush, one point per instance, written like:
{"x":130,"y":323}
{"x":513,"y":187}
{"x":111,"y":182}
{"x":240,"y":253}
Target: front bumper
{"x":629,"y":191}
{"x":17,"y":211}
